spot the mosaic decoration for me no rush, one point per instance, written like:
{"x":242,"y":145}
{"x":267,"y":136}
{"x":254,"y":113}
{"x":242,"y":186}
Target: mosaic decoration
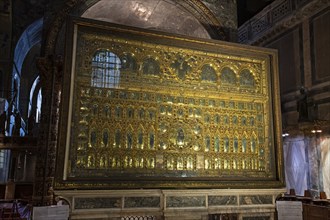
{"x":167,"y":112}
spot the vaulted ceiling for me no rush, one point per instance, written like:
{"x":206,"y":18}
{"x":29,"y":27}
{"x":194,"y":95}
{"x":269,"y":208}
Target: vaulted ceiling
{"x":161,"y":15}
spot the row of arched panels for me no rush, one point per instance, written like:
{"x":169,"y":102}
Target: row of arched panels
{"x":115,"y":95}
{"x":142,"y":114}
{"x":147,"y":141}
{"x":107,"y":67}
{"x":171,"y":162}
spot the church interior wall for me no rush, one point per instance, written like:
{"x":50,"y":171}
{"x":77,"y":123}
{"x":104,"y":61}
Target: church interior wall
{"x":302,"y":40}
{"x":289,"y":46}
{"x":303,"y":47}
{"x":320,"y":48}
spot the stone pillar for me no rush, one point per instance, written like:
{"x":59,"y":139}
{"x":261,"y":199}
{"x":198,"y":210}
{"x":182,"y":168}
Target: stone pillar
{"x":307,"y":54}
{"x":6,"y":56}
{"x":10,"y":189}
{"x":6,"y":61}
{"x":51,"y":70}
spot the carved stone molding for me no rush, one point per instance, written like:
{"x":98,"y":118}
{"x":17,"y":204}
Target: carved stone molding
{"x":46,"y":65}
{"x":56,"y":25}
{"x":206,"y":17}
{"x":276,"y":19}
{"x":51,"y":72}
{"x":172,"y":204}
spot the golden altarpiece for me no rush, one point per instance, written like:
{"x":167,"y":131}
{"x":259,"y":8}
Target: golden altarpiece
{"x":146,"y":109}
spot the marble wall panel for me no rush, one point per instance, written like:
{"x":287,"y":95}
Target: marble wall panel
{"x":185,"y":201}
{"x":222,"y":200}
{"x":172,"y":204}
{"x":97,"y":203}
{"x":138,"y":202}
{"x":255,"y":199}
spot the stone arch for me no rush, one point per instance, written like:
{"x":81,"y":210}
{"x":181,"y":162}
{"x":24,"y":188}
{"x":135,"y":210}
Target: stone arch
{"x":29,"y":76}
{"x":24,"y":68}
{"x":78,"y":7}
{"x":33,"y":103}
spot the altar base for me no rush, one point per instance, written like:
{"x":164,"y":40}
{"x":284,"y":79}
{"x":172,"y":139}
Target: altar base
{"x":240,"y":204}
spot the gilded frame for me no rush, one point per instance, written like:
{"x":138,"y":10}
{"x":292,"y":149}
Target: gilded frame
{"x":225,"y":79}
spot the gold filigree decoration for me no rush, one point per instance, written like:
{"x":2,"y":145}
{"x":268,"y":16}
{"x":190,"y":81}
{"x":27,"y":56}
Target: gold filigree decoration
{"x":175,"y":112}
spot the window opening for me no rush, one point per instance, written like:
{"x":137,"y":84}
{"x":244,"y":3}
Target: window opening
{"x":105,"y":70}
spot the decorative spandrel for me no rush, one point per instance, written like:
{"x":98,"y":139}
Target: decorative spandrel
{"x":161,"y":112}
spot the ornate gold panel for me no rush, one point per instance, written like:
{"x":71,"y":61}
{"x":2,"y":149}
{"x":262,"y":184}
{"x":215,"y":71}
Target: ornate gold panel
{"x":147,"y":109}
